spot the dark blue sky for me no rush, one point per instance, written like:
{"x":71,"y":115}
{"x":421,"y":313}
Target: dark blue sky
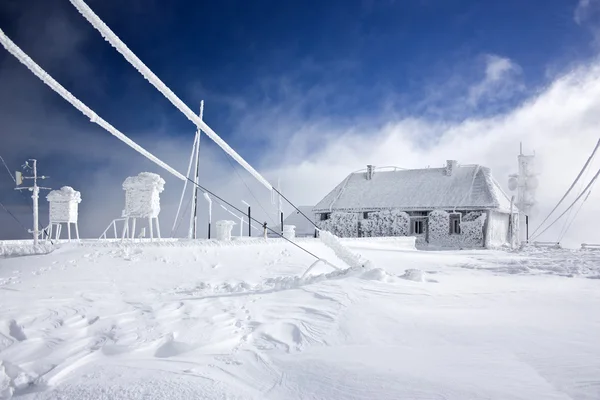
{"x":264,"y":65}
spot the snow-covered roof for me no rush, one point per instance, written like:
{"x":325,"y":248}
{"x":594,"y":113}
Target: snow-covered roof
{"x":467,"y":187}
{"x":144,"y":180}
{"x":65,"y":194}
{"x":303,"y":226}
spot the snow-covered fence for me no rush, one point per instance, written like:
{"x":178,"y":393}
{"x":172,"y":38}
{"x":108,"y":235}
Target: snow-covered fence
{"x":590,"y":246}
{"x":552,"y":245}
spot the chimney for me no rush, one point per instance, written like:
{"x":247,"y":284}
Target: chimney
{"x":370,"y":171}
{"x":450,"y":167}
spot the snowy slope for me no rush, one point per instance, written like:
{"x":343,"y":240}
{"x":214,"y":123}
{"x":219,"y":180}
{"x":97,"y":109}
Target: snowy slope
{"x":201,"y":320}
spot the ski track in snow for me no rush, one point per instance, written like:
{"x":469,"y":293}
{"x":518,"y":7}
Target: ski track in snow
{"x":210,"y":321}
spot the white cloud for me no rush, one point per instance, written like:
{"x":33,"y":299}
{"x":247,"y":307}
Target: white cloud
{"x":584,"y":10}
{"x":560,"y":124}
{"x":500,"y":81}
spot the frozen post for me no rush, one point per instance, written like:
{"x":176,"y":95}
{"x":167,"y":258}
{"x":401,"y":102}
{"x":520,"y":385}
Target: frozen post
{"x":64,"y":205}
{"x":208,"y":199}
{"x":289,"y":231}
{"x":224,"y":230}
{"x":249,"y":218}
{"x":142,"y":200}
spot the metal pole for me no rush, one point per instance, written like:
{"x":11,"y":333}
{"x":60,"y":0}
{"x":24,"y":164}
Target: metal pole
{"x":281,"y":215}
{"x":249,"y":220}
{"x":35,"y":198}
{"x":209,"y":230}
{"x":194,"y":225}
{"x":527,"y":227}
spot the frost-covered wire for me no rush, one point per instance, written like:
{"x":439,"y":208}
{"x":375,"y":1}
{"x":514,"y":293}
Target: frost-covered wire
{"x":113,"y":39}
{"x":65,"y":94}
{"x":572,"y":204}
{"x":589,"y":160}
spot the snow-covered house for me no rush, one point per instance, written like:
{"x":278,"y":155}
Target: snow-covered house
{"x":304,"y":227}
{"x":457,"y":205}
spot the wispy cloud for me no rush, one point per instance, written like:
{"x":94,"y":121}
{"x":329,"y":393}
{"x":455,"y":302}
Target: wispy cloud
{"x":501,"y":81}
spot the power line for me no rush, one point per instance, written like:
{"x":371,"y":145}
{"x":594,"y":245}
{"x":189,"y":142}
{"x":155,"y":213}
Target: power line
{"x":65,"y":94}
{"x":252,"y":218}
{"x":251,"y":193}
{"x":572,"y":204}
{"x":122,"y":48}
{"x":570,"y":188}
{"x":14,"y":217}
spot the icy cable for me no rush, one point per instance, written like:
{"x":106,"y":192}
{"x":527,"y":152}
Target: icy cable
{"x":14,"y":217}
{"x":65,"y":94}
{"x":589,"y":160}
{"x":118,"y":44}
{"x":572,"y":204}
{"x":253,"y":219}
{"x":109,"y":36}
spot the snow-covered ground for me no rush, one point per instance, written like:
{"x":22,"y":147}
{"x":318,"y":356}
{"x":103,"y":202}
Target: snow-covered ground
{"x":182,"y":320}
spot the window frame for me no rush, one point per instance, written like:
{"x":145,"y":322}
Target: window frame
{"x":455,"y":221}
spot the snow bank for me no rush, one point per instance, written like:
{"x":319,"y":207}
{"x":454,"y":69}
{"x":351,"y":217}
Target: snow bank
{"x":24,"y":248}
{"x":12,"y":378}
{"x":415,"y":275}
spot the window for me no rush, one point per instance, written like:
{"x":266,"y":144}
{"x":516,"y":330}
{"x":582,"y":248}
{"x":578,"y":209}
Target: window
{"x":455,"y":224}
{"x":366,"y":215}
{"x":325,"y":216}
{"x":417,"y":226}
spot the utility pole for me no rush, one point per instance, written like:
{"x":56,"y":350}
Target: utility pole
{"x":279,"y":205}
{"x":209,"y":200}
{"x":193,"y":234}
{"x":35,"y":196}
{"x":249,"y":218}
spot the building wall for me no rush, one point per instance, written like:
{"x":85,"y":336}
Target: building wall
{"x":498,"y":229}
{"x":398,"y":223}
{"x":471,"y":230}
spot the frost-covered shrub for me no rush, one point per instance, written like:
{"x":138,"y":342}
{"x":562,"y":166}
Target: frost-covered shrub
{"x":471,"y":230}
{"x":341,"y":224}
{"x":385,"y":223}
{"x":439,"y":226}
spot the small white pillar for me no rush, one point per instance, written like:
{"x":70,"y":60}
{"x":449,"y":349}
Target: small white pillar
{"x":64,"y":209}
{"x":142,"y":200}
{"x":289,"y":231}
{"x":224,"y":228}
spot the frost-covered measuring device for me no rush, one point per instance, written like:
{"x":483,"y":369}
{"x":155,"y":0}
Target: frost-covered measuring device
{"x":35,"y":189}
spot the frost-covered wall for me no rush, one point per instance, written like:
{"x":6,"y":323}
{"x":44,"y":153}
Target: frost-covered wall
{"x":341,"y":224}
{"x":385,"y":223}
{"x":499,"y":230}
{"x":142,"y":198}
{"x":64,"y":204}
{"x":471,"y":230}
